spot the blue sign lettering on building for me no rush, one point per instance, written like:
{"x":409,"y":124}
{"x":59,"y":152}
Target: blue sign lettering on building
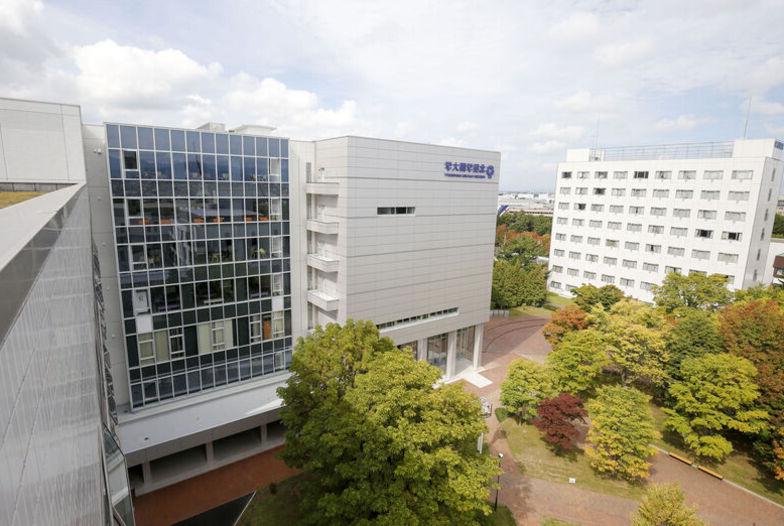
{"x":469,"y":170}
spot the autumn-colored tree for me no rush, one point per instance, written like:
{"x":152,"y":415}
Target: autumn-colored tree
{"x":778,"y":456}
{"x":576,"y":364}
{"x":716,"y":394}
{"x":621,"y":432}
{"x":526,"y":384}
{"x":568,"y":319}
{"x":557,"y":420}
{"x":695,"y":291}
{"x":755,"y":330}
{"x":694,"y":333}
{"x":588,"y":296}
{"x":663,"y":505}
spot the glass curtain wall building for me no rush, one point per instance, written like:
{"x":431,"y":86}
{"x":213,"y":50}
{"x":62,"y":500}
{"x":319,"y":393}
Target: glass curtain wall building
{"x":201,"y":228}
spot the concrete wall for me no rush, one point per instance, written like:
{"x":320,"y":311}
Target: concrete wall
{"x":40,"y":142}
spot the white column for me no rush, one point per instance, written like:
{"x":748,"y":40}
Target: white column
{"x":479,"y":330}
{"x":451,"y":354}
{"x":422,"y":349}
{"x":210,"y":453}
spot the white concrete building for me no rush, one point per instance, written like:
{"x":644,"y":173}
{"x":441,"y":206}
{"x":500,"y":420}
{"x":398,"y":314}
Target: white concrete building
{"x":627,"y":216}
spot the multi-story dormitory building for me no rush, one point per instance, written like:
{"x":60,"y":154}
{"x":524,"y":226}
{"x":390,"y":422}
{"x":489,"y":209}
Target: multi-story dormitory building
{"x":219,"y":248}
{"x":628,"y":216}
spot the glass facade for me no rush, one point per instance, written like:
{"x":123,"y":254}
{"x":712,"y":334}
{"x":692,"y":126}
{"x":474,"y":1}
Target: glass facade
{"x":202,"y":241}
{"x":437,"y":347}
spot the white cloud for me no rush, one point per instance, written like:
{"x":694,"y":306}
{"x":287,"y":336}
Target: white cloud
{"x":467,"y":126}
{"x":682,"y":122}
{"x":16,"y":14}
{"x":546,"y":147}
{"x":552,"y":130}
{"x":577,"y":28}
{"x":619,"y":54}
{"x":585,"y":101}
{"x":765,"y":107}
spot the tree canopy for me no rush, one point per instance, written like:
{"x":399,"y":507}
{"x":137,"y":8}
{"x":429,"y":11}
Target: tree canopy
{"x":526,"y":384}
{"x":522,"y":222}
{"x":557,"y":418}
{"x":565,"y":320}
{"x":576,"y":364}
{"x":716,"y":394}
{"x":523,"y":250}
{"x":695,"y":291}
{"x":694,"y":333}
{"x":664,"y":505}
{"x":514,"y":285}
{"x":588,"y":296}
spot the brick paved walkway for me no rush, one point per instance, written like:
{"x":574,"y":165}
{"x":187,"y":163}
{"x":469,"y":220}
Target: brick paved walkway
{"x":530,"y":499}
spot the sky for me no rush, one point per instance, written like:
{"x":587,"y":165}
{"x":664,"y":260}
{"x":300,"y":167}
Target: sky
{"x":529,"y":79}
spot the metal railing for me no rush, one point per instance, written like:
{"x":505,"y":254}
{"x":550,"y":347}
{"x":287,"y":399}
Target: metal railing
{"x":698,"y":150}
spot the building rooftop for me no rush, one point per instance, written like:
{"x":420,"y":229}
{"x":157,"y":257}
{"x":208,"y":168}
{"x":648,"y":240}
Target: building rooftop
{"x":694,"y":150}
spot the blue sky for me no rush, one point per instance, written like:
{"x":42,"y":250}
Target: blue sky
{"x":527,"y":78}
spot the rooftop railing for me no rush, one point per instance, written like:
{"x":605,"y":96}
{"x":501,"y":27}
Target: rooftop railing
{"x":698,"y":150}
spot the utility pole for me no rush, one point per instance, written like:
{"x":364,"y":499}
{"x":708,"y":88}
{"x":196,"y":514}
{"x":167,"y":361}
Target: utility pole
{"x":748,"y":111}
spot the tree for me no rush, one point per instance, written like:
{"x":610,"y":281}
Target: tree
{"x":634,"y":342}
{"x":588,"y":296}
{"x":663,"y":505}
{"x":778,"y":225}
{"x":778,"y":456}
{"x":524,"y":250}
{"x":576,"y":364}
{"x":716,"y":395}
{"x":534,"y":288}
{"x":695,"y":333}
{"x":761,"y":292}
{"x":379,"y":443}
{"x":526,"y":384}
{"x":564,"y":321}
{"x":755,"y":330}
{"x":522,"y":222}
{"x":514,"y":286}
{"x":621,"y":432}
{"x":557,"y":420}
{"x":695,"y":291}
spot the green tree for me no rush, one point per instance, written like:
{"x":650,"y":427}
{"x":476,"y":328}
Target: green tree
{"x":695,"y":291}
{"x":778,"y":225}
{"x":621,"y":431}
{"x":761,"y":292}
{"x":576,"y":364}
{"x":527,"y":383}
{"x":522,"y":222}
{"x":663,"y":505}
{"x":379,"y":443}
{"x":523,"y":250}
{"x":634,"y":342}
{"x":588,"y":296}
{"x":534,"y":288}
{"x":514,"y":286}
{"x":716,"y":395}
{"x":695,"y":333}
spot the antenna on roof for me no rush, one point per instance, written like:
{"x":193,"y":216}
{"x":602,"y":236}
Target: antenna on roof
{"x":746,"y":125}
{"x":596,"y":134}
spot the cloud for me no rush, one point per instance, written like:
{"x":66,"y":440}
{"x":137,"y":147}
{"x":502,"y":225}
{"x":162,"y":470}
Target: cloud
{"x":584,"y":101}
{"x":552,"y":130}
{"x":682,"y":122}
{"x":467,"y":126}
{"x":765,"y":107}
{"x":16,"y":14}
{"x":577,"y":28}
{"x":546,"y":147}
{"x":615,"y":55}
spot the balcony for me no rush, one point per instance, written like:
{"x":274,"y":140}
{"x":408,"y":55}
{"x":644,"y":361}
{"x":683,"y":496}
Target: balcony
{"x":323,"y":262}
{"x":322,"y":187}
{"x":323,"y":300}
{"x":322,"y":226}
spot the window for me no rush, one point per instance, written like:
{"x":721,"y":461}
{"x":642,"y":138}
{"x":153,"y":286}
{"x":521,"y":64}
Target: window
{"x":644,"y":285}
{"x":594,"y":223}
{"x":742,"y":175}
{"x":700,"y":254}
{"x":667,"y":270}
{"x":655,"y":229}
{"x":557,"y":269}
{"x":628,"y":263}
{"x":699,"y":272}
{"x":661,"y":194}
{"x":735,"y":216}
{"x":413,"y":319}
{"x":600,"y":175}
{"x":611,"y":243}
{"x":217,"y":336}
{"x":641,"y":175}
{"x":676,"y":251}
{"x":620,"y":175}
{"x":583,"y":175}
{"x":146,"y":349}
{"x":562,"y":221}
{"x":727,"y":258}
{"x":618,"y":192}
{"x":566,"y":175}
{"x":681,"y":212}
{"x":599,"y":191}
{"x":130,"y":162}
{"x":277,"y":284}
{"x":558,"y":252}
{"x":565,"y":190}
{"x":613,"y":225}
{"x":593,"y":240}
{"x":616,"y":209}
{"x":560,"y":237}
{"x":555,"y":284}
{"x":278,"y":324}
{"x":710,"y":195}
{"x":657,"y":211}
{"x":639,"y":192}
{"x":636,"y":210}
{"x":706,"y":214}
{"x":575,"y":238}
{"x":712,"y":175}
{"x":255,"y":328}
{"x":684,"y":194}
{"x":597,"y":208}
{"x":627,"y":282}
{"x":574,"y":255}
{"x":767,"y":214}
{"x":138,"y":257}
{"x":678,"y":231}
{"x":578,"y":222}
{"x":634,"y":227}
{"x":610,"y":261}
{"x":176,"y":343}
{"x":593,"y":258}
{"x":606,"y":278}
{"x":579,"y":206}
{"x":274,"y":170}
{"x":395,"y":210}
{"x":276,"y":247}
{"x":275,"y":209}
{"x":687,"y":175}
{"x":631,"y":245}
{"x":563,"y":206}
{"x":661,"y":174}
{"x":650,"y":267}
{"x":731,"y":236}
{"x":653,"y":249}
{"x":589,"y":275}
{"x":706,"y":234}
{"x":581,"y":190}
{"x":573,"y":272}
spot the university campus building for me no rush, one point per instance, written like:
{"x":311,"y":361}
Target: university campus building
{"x":216,"y":249}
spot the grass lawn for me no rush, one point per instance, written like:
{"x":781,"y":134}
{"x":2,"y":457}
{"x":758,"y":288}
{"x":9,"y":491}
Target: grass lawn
{"x":556,"y":522}
{"x":738,"y":468}
{"x":11,"y":198}
{"x":553,"y":300}
{"x":536,"y":460}
{"x":282,"y":507}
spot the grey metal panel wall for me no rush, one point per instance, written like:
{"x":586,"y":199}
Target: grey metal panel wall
{"x":50,"y":453}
